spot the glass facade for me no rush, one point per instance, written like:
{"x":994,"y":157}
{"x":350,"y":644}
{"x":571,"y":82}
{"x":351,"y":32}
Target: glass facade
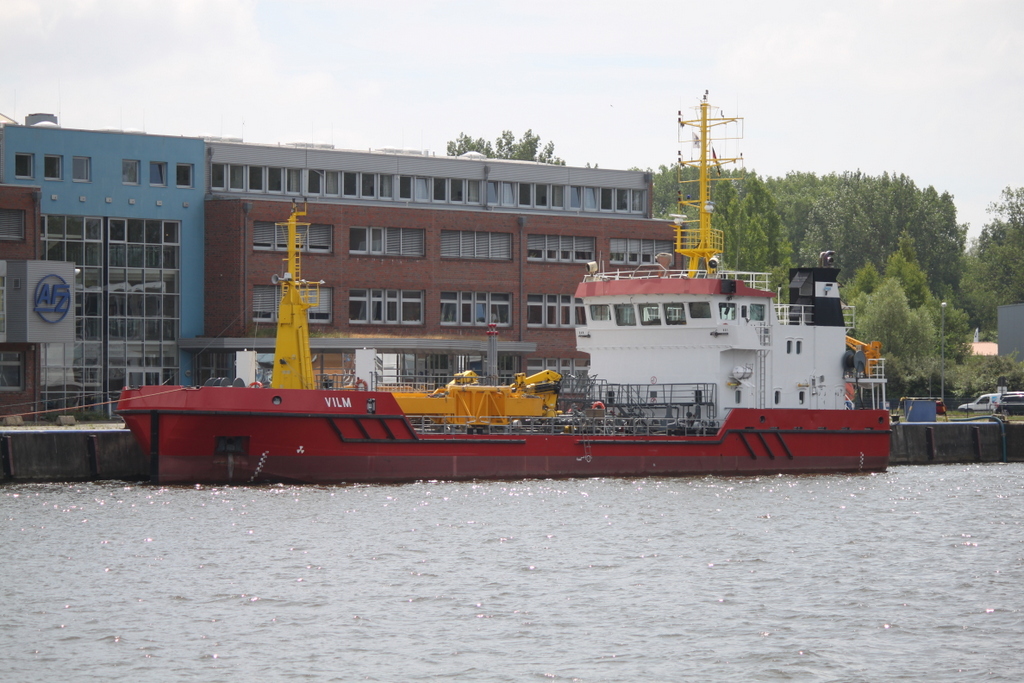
{"x":127,"y":307}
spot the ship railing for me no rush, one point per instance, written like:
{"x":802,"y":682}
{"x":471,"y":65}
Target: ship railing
{"x":693,"y":401}
{"x":582,"y":423}
{"x":751,"y":279}
{"x":849,"y":317}
{"x":874,"y":371}
{"x":794,"y":314}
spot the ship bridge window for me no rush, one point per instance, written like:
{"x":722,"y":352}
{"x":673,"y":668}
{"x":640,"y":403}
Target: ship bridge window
{"x":675,"y":314}
{"x":600,"y":312}
{"x":700,"y":309}
{"x":625,"y":314}
{"x":757,"y":312}
{"x":727,"y":311}
{"x":650,"y":314}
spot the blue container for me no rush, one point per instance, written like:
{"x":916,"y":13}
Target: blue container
{"x":920,"y":409}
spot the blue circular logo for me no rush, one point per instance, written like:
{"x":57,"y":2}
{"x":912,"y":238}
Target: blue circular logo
{"x":53,"y":298}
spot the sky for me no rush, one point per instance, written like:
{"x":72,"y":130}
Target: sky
{"x":930,"y":89}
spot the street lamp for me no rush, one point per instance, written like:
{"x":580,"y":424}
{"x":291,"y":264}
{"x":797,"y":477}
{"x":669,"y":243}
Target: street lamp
{"x":942,"y":390}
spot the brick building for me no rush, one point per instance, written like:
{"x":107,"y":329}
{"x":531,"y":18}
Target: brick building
{"x":418,"y":253}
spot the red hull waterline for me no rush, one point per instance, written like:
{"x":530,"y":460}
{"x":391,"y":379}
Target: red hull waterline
{"x":237,"y":435}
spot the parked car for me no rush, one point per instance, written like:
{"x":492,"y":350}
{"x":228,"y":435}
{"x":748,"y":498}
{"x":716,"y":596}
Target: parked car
{"x":982,"y":404}
{"x":1012,"y":403}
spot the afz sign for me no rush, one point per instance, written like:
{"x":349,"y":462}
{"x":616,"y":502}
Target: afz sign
{"x":53,"y":298}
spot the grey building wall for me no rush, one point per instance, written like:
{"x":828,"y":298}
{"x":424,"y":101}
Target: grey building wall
{"x":1011,"y":330}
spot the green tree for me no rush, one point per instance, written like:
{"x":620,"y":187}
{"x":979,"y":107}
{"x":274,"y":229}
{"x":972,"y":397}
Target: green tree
{"x":994,"y":274}
{"x":464,"y":143}
{"x":886,"y":316}
{"x":902,"y":265}
{"x":865,"y":281}
{"x":526,"y":148}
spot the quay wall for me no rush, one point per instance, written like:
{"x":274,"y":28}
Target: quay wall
{"x":937,"y":443}
{"x":80,"y":454}
{"x":71,"y":455}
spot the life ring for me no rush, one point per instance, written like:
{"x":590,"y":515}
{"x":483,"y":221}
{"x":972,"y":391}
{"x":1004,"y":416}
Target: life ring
{"x":361,"y":385}
{"x":597,"y":405}
{"x":256,"y":385}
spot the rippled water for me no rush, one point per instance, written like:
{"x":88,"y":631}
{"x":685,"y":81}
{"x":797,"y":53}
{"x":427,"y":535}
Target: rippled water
{"x":916,"y":574}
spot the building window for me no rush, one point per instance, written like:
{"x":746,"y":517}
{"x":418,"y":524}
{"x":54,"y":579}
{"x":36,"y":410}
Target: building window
{"x":52,"y":167}
{"x":321,"y":313}
{"x":508,"y":194}
{"x":566,"y":248}
{"x":554,"y":310}
{"x":236,"y":177}
{"x":130,"y":171}
{"x":81,"y":169}
{"x":590,"y":199}
{"x":11,"y":372}
{"x":385,"y":307}
{"x":473,"y":191}
{"x":255,"y":179}
{"x":332,"y":183}
{"x":476,"y":308}
{"x":218,"y":176}
{"x":606,"y":199}
{"x":265,"y":300}
{"x":386,"y":241}
{"x":264,"y":303}
{"x":557,"y":196}
{"x":368,"y":186}
{"x":3,"y":305}
{"x":541,"y":196}
{"x":639,"y":201}
{"x":23,"y":164}
{"x":275,"y":179}
{"x":314,"y":238}
{"x":421,"y":189}
{"x":183,"y":175}
{"x":158,"y":173}
{"x":470,"y":244}
{"x":349,"y":183}
{"x":525,"y":194}
{"x":294,"y":177}
{"x":637,"y":251}
{"x":12,"y":224}
{"x":575,"y":197}
{"x":404,"y":187}
{"x":314,"y":181}
{"x":458,"y":190}
{"x":386,"y":186}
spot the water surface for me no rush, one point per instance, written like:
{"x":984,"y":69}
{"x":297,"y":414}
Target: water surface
{"x":912,"y":575}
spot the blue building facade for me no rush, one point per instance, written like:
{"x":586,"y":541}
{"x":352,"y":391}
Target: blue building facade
{"x":127,"y":210}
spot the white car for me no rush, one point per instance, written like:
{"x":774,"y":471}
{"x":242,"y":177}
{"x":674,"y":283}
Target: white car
{"x":986,"y":403}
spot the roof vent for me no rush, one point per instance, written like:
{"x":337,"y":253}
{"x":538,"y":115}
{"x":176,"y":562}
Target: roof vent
{"x":36,"y":119}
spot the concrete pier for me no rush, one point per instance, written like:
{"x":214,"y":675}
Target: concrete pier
{"x":82,"y":453}
{"x":934,"y":443}
{"x":71,"y":455}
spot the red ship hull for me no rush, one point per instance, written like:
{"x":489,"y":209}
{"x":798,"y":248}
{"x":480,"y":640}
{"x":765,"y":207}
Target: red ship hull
{"x":227,"y":435}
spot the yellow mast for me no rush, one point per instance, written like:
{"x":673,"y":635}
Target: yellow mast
{"x":293,"y":367}
{"x":695,"y":238}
